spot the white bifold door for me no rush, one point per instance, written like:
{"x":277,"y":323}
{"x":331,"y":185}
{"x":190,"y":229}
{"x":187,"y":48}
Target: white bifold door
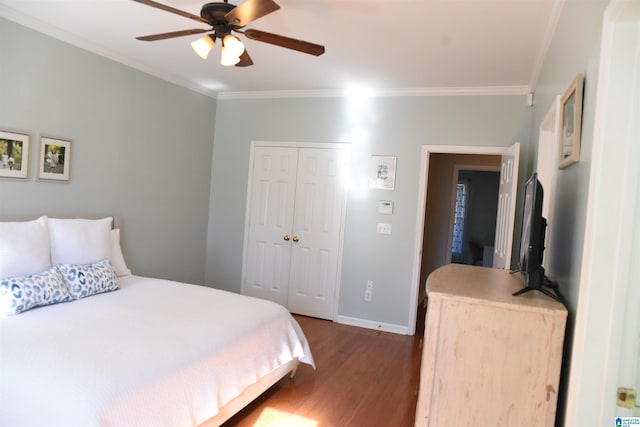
{"x":294,"y":227}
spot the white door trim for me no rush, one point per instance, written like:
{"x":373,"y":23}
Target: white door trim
{"x":547,"y":168}
{"x":343,"y":214}
{"x":294,"y":144}
{"x":425,"y":153}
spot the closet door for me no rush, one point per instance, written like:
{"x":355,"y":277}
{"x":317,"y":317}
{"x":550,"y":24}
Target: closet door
{"x":270,"y":222}
{"x":294,"y":228}
{"x":316,"y":232}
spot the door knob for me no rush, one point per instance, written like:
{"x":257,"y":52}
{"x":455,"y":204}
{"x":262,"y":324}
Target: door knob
{"x":296,"y":238}
{"x":286,"y":237}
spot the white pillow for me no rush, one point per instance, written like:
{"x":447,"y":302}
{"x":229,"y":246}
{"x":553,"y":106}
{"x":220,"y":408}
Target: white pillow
{"x":80,"y":241}
{"x":24,"y":248}
{"x":117,"y":259}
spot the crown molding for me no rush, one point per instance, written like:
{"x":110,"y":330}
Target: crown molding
{"x":436,"y":91}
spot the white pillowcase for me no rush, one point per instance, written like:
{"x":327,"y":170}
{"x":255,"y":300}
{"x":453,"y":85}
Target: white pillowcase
{"x":80,"y":241}
{"x":117,"y":259}
{"x":24,"y":248}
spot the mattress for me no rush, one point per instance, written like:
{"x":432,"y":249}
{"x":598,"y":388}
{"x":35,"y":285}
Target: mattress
{"x":153,"y":353}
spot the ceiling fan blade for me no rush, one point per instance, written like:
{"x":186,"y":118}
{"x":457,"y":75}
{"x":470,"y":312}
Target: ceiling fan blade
{"x":282,"y":41}
{"x":172,"y":10}
{"x":171,"y":35}
{"x":249,"y":11}
{"x":245,"y":60}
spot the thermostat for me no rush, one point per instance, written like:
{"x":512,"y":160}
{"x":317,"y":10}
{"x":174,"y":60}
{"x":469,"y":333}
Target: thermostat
{"x":385,"y":207}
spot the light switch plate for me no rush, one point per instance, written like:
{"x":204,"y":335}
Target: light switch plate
{"x":384,"y":228}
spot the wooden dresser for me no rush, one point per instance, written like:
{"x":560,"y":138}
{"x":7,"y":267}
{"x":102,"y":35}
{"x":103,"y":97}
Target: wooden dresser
{"x":489,"y":358}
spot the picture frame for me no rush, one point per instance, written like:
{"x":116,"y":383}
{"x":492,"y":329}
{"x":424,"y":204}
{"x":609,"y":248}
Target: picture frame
{"x":55,"y":159}
{"x":570,"y":123}
{"x":383,"y":172}
{"x":14,"y":154}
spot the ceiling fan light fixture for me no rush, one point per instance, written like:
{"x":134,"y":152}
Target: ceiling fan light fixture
{"x":223,"y":18}
{"x":233,"y":45}
{"x":203,"y":46}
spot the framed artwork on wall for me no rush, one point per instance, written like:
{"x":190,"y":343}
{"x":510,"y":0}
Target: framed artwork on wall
{"x":383,"y":172}
{"x":55,"y":159}
{"x":570,"y":123}
{"x":14,"y":154}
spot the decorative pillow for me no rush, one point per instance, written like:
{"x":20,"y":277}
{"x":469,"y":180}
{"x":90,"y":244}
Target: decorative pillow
{"x":90,"y":279}
{"x":18,"y":294}
{"x":24,"y":248}
{"x":117,"y":259}
{"x":80,"y":241}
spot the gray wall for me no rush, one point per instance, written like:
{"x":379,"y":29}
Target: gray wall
{"x":141,"y":149}
{"x":397,"y":126}
{"x":574,"y":49}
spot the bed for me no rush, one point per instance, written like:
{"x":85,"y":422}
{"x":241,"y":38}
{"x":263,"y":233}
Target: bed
{"x":149,"y":352}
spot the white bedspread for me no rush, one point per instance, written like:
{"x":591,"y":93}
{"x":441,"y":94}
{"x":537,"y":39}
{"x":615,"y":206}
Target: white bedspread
{"x":154,"y":353}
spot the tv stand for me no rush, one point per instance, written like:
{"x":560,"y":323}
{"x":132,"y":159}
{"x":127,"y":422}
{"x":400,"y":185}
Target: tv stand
{"x":488,"y":358}
{"x":537,"y":281}
{"x":542,"y":289}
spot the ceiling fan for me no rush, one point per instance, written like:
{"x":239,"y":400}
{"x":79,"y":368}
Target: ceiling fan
{"x":225,"y":18}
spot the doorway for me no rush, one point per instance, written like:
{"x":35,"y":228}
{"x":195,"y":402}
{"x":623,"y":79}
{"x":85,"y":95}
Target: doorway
{"x":473,"y":214}
{"x":436,"y":181}
{"x":460,"y":215}
{"x":438,"y":230}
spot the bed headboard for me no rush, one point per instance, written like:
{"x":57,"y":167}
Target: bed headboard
{"x":117,"y":222}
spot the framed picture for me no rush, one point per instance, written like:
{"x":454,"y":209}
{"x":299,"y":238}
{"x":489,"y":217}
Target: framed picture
{"x":14,"y":154}
{"x":55,"y":159}
{"x":383,"y":172}
{"x":570,"y":123}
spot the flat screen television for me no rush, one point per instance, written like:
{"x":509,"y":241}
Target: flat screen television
{"x":534,"y":227}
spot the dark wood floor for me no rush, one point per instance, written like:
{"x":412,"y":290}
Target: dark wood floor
{"x":363,"y":378}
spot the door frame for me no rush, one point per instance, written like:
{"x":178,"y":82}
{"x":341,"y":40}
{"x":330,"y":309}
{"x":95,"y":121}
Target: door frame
{"x":423,"y":185}
{"x":547,"y":168}
{"x":343,"y":214}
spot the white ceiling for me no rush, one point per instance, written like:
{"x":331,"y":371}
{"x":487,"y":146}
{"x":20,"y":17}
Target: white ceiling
{"x":387,"y":46}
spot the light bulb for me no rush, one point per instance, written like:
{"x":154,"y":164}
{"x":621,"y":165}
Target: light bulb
{"x":203,"y":46}
{"x":227,"y":59}
{"x":233,"y":45}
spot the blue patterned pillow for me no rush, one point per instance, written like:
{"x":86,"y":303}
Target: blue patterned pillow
{"x":89,"y":279}
{"x":18,"y":294}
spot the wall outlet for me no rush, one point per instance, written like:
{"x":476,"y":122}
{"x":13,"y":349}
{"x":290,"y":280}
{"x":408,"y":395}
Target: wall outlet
{"x":368,"y":292}
{"x":383,"y":228}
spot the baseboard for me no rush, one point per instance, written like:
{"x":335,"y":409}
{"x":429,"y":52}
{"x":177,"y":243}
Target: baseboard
{"x":370,"y":324}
